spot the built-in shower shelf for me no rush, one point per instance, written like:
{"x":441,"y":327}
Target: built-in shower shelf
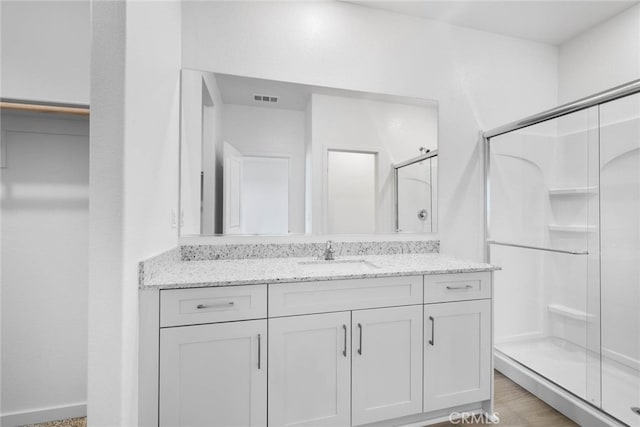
{"x":571,"y":313}
{"x":570,"y":191}
{"x":573,"y":228}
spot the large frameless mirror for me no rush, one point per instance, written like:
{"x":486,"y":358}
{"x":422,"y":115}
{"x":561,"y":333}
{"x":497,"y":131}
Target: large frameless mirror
{"x":265,"y":157}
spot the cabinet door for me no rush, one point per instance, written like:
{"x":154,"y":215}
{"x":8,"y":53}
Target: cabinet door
{"x":214,"y":375}
{"x":457,"y":357}
{"x":387,"y":363}
{"x":310,"y":370}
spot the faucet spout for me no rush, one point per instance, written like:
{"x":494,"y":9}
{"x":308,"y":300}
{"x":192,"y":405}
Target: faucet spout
{"x":329,"y":251}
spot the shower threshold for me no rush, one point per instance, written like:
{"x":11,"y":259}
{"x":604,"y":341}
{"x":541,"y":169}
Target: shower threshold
{"x":535,"y":369}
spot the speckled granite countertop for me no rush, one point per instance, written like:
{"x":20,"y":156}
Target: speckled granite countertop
{"x":186,"y":274}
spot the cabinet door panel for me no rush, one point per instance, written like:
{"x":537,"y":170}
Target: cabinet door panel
{"x":387,"y":363}
{"x":210,"y":376}
{"x":310,"y":370}
{"x":457,"y":358}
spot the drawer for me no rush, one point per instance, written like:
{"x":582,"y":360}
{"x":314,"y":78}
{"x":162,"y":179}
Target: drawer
{"x":207,"y":305}
{"x":457,"y":287}
{"x":287,"y":299}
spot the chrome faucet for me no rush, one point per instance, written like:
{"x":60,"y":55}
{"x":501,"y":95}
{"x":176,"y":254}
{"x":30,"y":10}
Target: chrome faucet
{"x":329,"y":251}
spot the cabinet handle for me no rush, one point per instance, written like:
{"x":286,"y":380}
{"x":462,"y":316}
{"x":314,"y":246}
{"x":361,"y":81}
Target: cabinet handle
{"x":360,"y":348}
{"x":259,"y":349}
{"x":344,"y":351}
{"x":433,"y":335}
{"x":220,"y":305}
{"x":459,"y":287}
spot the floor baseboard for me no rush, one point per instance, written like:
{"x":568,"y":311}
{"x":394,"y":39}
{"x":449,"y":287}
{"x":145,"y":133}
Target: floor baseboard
{"x":41,"y":415}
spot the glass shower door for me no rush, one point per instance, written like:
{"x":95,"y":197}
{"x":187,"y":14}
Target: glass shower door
{"x":620,"y":239}
{"x":543,"y":232}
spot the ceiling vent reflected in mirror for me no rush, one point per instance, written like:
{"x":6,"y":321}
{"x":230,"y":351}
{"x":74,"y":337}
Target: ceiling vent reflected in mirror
{"x":265,"y":98}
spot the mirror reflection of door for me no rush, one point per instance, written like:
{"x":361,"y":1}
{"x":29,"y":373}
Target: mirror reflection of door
{"x":256,"y":193}
{"x":351,"y":192}
{"x":207,"y":196}
{"x":265,"y":195}
{"x":232,"y":177}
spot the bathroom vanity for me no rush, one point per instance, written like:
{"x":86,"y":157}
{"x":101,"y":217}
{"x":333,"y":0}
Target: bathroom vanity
{"x":393,"y":338}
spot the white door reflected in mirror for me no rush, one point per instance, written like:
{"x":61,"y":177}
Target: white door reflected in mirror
{"x":351,"y":192}
{"x":256,"y":196}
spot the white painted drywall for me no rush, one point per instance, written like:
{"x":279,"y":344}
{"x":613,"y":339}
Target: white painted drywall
{"x":600,"y":58}
{"x":45,"y":50}
{"x":133,"y":187}
{"x":257,"y":131}
{"x":481,"y":80}
{"x":45,"y":235}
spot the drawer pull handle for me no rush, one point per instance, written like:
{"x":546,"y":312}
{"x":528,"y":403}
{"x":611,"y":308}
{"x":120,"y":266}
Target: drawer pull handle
{"x":344,"y":351}
{"x":360,"y":348}
{"x":221,"y":305}
{"x":433,"y":332}
{"x":459,"y":287}
{"x":259,"y":348}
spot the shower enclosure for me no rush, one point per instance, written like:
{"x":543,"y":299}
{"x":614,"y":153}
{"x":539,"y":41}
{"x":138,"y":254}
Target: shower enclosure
{"x":563,"y":222}
{"x":415,"y":193}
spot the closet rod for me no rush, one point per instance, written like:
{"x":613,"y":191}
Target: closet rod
{"x":44,"y":108}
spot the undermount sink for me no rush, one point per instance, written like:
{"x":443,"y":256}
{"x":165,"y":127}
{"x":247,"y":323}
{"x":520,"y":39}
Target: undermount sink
{"x":340,"y":264}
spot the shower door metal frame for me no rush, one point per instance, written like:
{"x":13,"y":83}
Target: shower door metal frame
{"x":630,"y":88}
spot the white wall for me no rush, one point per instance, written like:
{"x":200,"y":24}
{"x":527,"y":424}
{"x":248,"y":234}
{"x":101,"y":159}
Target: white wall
{"x":45,"y":51}
{"x":257,"y":131}
{"x":481,"y":80}
{"x":134,"y":151}
{"x":45,"y":216}
{"x":600,"y":58}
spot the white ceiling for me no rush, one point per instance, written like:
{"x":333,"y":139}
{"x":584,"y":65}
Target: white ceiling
{"x":552,"y":22}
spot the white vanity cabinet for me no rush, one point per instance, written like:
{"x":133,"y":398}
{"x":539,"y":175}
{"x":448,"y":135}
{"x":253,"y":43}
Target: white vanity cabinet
{"x":347,"y":352}
{"x":345,"y":368}
{"x":310,"y":370}
{"x":213,"y":374}
{"x":355,"y":366}
{"x":458,"y":346}
{"x":387,"y":363}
